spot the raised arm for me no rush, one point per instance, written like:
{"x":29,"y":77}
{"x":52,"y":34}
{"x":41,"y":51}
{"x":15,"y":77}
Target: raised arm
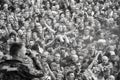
{"x":51,"y":73}
{"x":53,"y":31}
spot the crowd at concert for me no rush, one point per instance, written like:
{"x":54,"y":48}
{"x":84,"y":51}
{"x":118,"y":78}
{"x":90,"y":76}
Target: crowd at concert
{"x":59,"y":39}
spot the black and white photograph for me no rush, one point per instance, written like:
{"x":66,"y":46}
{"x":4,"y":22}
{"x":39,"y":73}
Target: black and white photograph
{"x":59,"y":39}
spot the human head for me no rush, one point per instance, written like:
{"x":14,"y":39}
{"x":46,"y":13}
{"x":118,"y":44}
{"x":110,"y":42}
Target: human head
{"x":105,"y":59}
{"x":12,"y":35}
{"x":81,"y":58}
{"x":39,"y":27}
{"x":17,"y":49}
{"x":53,"y":8}
{"x":111,"y":77}
{"x":35,"y":47}
{"x":49,"y":21}
{"x":78,"y":65}
{"x":48,"y":5}
{"x":32,"y":25}
{"x":45,"y":56}
{"x":60,"y":28}
{"x":57,"y":7}
{"x":2,"y":22}
{"x":20,"y":32}
{"x":70,"y":75}
{"x":54,"y":66}
{"x":5,"y":6}
{"x":26,"y":25}
{"x":115,"y":15}
{"x":60,"y":76}
{"x":57,"y":57}
{"x":67,"y":13}
{"x":72,"y":67}
{"x":31,"y":43}
{"x":23,"y":29}
{"x":74,"y":58}
{"x":35,"y":35}
{"x":9,"y":26}
{"x":86,"y":31}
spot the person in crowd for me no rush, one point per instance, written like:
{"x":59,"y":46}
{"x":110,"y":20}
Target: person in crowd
{"x":20,"y":66}
{"x":61,"y":38}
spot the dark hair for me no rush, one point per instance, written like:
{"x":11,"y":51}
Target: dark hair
{"x":14,"y":48}
{"x":68,"y":74}
{"x":35,"y":47}
{"x":12,"y":34}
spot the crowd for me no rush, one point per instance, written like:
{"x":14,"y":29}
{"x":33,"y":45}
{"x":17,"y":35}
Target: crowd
{"x":59,"y":39}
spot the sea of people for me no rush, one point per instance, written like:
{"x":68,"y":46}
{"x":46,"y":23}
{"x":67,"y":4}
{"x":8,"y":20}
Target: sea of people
{"x":59,"y":39}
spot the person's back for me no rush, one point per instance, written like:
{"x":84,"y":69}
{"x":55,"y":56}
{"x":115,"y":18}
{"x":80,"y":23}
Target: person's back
{"x":17,"y":68}
{"x":14,"y":70}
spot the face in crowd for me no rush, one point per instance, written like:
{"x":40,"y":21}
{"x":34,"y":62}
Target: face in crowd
{"x":57,"y":57}
{"x":86,"y":32}
{"x":105,"y":59}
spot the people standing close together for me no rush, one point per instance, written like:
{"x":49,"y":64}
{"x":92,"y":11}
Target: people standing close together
{"x":59,"y":39}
